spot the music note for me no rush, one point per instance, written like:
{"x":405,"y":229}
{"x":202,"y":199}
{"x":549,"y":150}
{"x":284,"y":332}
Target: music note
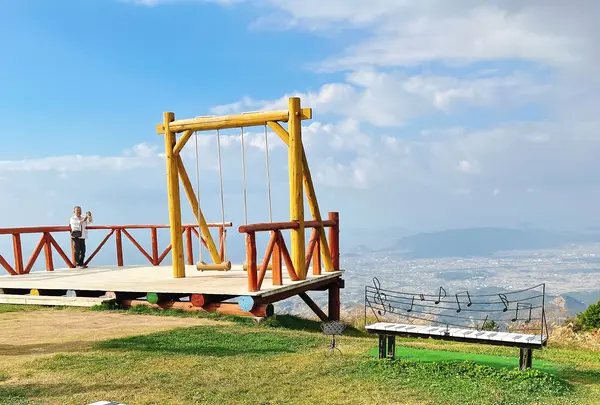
{"x":504,"y":301}
{"x":458,"y":302}
{"x":411,"y":304}
{"x":440,"y":295}
{"x":525,"y":306}
{"x":422,"y":297}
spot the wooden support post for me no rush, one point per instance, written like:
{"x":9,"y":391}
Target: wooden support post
{"x":310,"y":194}
{"x":189,"y":246}
{"x":191,"y":194}
{"x":119,"y":243}
{"x":251,"y":260}
{"x":48,"y":253}
{"x":334,"y":302}
{"x":154,"y":233}
{"x":276,"y":260}
{"x":296,"y":194}
{"x":173,"y":198}
{"x":312,"y":305}
{"x":18,"y":251}
{"x":334,"y":240}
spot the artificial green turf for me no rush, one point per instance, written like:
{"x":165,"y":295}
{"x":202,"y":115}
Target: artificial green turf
{"x":431,"y":356}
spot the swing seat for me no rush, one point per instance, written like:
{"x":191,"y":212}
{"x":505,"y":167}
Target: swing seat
{"x":245,"y":266}
{"x":224,"y":266}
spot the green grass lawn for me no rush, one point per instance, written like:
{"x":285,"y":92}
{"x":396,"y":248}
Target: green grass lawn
{"x":284,"y":362}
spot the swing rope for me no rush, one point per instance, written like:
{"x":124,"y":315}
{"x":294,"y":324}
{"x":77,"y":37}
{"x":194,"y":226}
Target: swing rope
{"x":222,"y":199}
{"x":268,"y":175}
{"x":244,"y":178}
{"x":198,"y":188}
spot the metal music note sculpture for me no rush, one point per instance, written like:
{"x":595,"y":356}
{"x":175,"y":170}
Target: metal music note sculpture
{"x":333,"y":328}
{"x":520,"y":310}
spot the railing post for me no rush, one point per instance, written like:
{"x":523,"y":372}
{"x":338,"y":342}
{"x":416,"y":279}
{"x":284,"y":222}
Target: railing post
{"x":48,"y":252}
{"x":119,"y":243}
{"x":154,"y":233}
{"x":189,"y":248}
{"x":276,"y":260}
{"x":18,"y":252}
{"x":334,"y":240}
{"x":251,"y":260}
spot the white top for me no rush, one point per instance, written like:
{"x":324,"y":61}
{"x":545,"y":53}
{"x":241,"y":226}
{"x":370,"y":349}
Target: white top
{"x":78,"y":224}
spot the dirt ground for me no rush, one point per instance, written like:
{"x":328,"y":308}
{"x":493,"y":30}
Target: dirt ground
{"x":49,"y":331}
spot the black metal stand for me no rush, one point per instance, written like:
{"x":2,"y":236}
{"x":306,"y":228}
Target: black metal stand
{"x":387,"y":346}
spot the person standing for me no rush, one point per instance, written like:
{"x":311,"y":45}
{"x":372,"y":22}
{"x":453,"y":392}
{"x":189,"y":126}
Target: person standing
{"x":78,"y":225}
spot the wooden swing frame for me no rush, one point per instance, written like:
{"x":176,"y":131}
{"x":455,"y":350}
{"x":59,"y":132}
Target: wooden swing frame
{"x":299,"y":173}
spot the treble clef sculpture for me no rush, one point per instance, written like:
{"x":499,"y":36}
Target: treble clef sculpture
{"x":381,"y":298}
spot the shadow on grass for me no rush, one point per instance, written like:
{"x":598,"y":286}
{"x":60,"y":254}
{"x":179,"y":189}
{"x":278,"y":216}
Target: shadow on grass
{"x":216,"y":341}
{"x":292,"y":322}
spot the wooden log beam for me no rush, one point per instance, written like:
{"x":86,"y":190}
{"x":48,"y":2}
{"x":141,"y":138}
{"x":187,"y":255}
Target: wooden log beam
{"x":280,"y":226}
{"x":334,"y":241}
{"x":265,"y":263}
{"x":7,"y":266}
{"x":213,"y":123}
{"x":137,"y":245}
{"x":48,"y":229}
{"x":182,"y":141}
{"x":296,"y":194}
{"x":35,"y":254}
{"x":276,"y":272}
{"x":48,"y":252}
{"x":286,"y":257}
{"x":154,"y":236}
{"x":18,"y":252}
{"x":95,"y":252}
{"x":224,"y":308}
{"x":119,"y":245}
{"x":312,"y":305}
{"x":191,"y":194}
{"x":251,"y":260}
{"x":61,"y":252}
{"x":310,"y":194}
{"x":173,"y":197}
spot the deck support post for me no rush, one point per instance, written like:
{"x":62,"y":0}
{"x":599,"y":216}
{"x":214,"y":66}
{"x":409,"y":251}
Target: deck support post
{"x":334,"y":301}
{"x":525,"y":358}
{"x":173,"y":198}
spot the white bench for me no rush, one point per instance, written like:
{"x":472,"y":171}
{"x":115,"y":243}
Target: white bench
{"x":388,"y":331}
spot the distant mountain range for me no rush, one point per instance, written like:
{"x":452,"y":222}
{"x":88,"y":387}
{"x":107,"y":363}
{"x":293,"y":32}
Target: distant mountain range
{"x":482,"y":242}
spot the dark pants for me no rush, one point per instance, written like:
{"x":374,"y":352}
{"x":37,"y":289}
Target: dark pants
{"x":79,"y":245}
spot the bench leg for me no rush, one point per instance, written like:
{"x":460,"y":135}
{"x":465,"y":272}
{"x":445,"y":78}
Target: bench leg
{"x":525,"y":358}
{"x":391,"y":348}
{"x":382,"y":346}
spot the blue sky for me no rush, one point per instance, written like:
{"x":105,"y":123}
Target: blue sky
{"x":427,"y":116}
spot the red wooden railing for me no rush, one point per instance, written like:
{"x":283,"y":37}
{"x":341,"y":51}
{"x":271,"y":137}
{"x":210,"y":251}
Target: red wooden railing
{"x":277,"y":249}
{"x":49,"y":243}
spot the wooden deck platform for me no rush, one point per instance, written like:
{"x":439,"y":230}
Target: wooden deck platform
{"x":159,"y":279}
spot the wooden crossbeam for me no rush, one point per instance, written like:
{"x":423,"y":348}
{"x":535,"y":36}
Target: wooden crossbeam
{"x":310,"y":195}
{"x":312,"y":305}
{"x":251,"y":119}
